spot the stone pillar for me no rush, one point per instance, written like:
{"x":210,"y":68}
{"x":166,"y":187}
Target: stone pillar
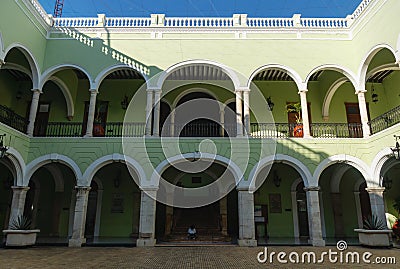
{"x":78,"y":230}
{"x":18,"y":202}
{"x":246,"y":111}
{"x":172,"y":125}
{"x":223,"y":210}
{"x":314,"y":216}
{"x":239,"y":108}
{"x":247,"y":232}
{"x":91,"y":113}
{"x":147,"y":221}
{"x":304,"y":113}
{"x":33,"y":111}
{"x":157,"y":104}
{"x":363,"y":113}
{"x":377,"y":202}
{"x":149,"y":109}
{"x":222,"y":120}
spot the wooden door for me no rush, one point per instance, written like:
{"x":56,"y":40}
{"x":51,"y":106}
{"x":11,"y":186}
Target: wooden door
{"x":42,"y":119}
{"x":354,"y":119}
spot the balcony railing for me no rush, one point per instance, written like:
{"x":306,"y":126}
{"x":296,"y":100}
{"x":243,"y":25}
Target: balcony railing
{"x":385,"y":120}
{"x":204,"y":129}
{"x":131,"y":129}
{"x":271,"y":130}
{"x":64,"y":129}
{"x":336,"y":130}
{"x":12,"y":119}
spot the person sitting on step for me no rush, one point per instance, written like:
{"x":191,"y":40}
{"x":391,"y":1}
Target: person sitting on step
{"x":192,"y":234}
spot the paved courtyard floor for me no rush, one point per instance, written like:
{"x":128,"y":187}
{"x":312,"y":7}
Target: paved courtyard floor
{"x":181,"y":257}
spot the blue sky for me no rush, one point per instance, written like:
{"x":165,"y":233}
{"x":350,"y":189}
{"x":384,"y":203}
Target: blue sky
{"x":205,"y":8}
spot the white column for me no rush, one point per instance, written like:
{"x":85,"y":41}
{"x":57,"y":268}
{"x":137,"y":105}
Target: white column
{"x":33,"y":111}
{"x":239,"y":108}
{"x":377,"y":202}
{"x":92,"y":110}
{"x":149,"y":108}
{"x":363,"y":113}
{"x":223,"y":211}
{"x":18,"y":202}
{"x":147,"y":221}
{"x":222,"y":119}
{"x":78,"y":230}
{"x":246,"y":219}
{"x":314,"y":216}
{"x":172,"y":125}
{"x":296,"y":228}
{"x":304,"y":113}
{"x":156,"y":123}
{"x":358,"y":208}
{"x":246,"y":111}
{"x":98,"y":214}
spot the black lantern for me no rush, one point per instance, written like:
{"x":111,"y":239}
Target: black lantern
{"x":3,"y":149}
{"x":276,"y":179}
{"x":387,"y":183}
{"x":270,"y":103}
{"x":396,"y":149}
{"x":125,"y":102}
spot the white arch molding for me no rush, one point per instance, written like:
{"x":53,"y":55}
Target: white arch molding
{"x":288,"y":70}
{"x":109,"y":159}
{"x":2,"y":54}
{"x":296,"y":224}
{"x":192,"y":90}
{"x":67,"y":95}
{"x":108,"y":70}
{"x":33,"y":166}
{"x":35,"y":70}
{"x":303,"y":171}
{"x":14,"y":66}
{"x":329,"y":96}
{"x":60,"y":67}
{"x":19,"y":165}
{"x":378,"y":163}
{"x":161,"y":77}
{"x":335,"y":67}
{"x":347,"y":159}
{"x":164,"y":165}
{"x":57,"y":177}
{"x":368,"y":58}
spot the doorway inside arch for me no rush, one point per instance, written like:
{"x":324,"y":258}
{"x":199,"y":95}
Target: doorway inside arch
{"x":344,"y":203}
{"x":215,"y":222}
{"x":6,"y":181}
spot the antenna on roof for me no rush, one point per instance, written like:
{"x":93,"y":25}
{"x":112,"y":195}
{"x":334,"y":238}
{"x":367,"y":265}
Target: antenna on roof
{"x":58,"y":8}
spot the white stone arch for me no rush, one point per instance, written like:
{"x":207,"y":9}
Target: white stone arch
{"x":347,"y":159}
{"x":329,"y":96}
{"x":57,"y":177}
{"x":34,"y":165}
{"x":164,"y":165}
{"x":109,"y":159}
{"x":2,"y":54}
{"x":67,"y":95}
{"x":385,"y":67}
{"x":334,"y":67}
{"x":54,"y":69}
{"x":303,"y":171}
{"x":337,"y":178}
{"x":108,"y":70}
{"x":192,"y":90}
{"x":368,"y":58}
{"x":160,"y":79}
{"x":35,"y":70}
{"x":378,"y":163}
{"x":19,"y":165}
{"x":17,"y":67}
{"x":296,"y":224}
{"x":288,"y":70}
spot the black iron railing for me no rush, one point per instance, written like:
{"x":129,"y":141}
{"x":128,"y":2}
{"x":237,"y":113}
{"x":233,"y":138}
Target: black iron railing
{"x":385,"y":120}
{"x":128,"y":129}
{"x":204,"y":129}
{"x":64,"y":129}
{"x":12,"y":119}
{"x":336,"y":130}
{"x":272,"y":130}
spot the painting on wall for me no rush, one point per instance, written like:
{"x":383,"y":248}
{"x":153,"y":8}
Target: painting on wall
{"x":275,"y":204}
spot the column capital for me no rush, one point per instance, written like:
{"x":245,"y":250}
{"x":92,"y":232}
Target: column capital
{"x":242,"y":89}
{"x":35,"y":90}
{"x":82,"y":189}
{"x":149,"y":188}
{"x":20,"y":188}
{"x":312,"y":188}
{"x":377,"y":190}
{"x":303,"y":91}
{"x":93,"y":91}
{"x":2,"y":62}
{"x":153,"y":89}
{"x":361,"y":91}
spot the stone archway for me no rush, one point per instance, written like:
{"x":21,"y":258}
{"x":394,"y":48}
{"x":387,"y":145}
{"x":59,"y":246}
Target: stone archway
{"x":7,"y":179}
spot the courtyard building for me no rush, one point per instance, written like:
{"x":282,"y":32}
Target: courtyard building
{"x":129,"y":130}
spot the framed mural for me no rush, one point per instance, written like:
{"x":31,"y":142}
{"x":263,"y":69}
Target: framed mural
{"x":275,"y":203}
